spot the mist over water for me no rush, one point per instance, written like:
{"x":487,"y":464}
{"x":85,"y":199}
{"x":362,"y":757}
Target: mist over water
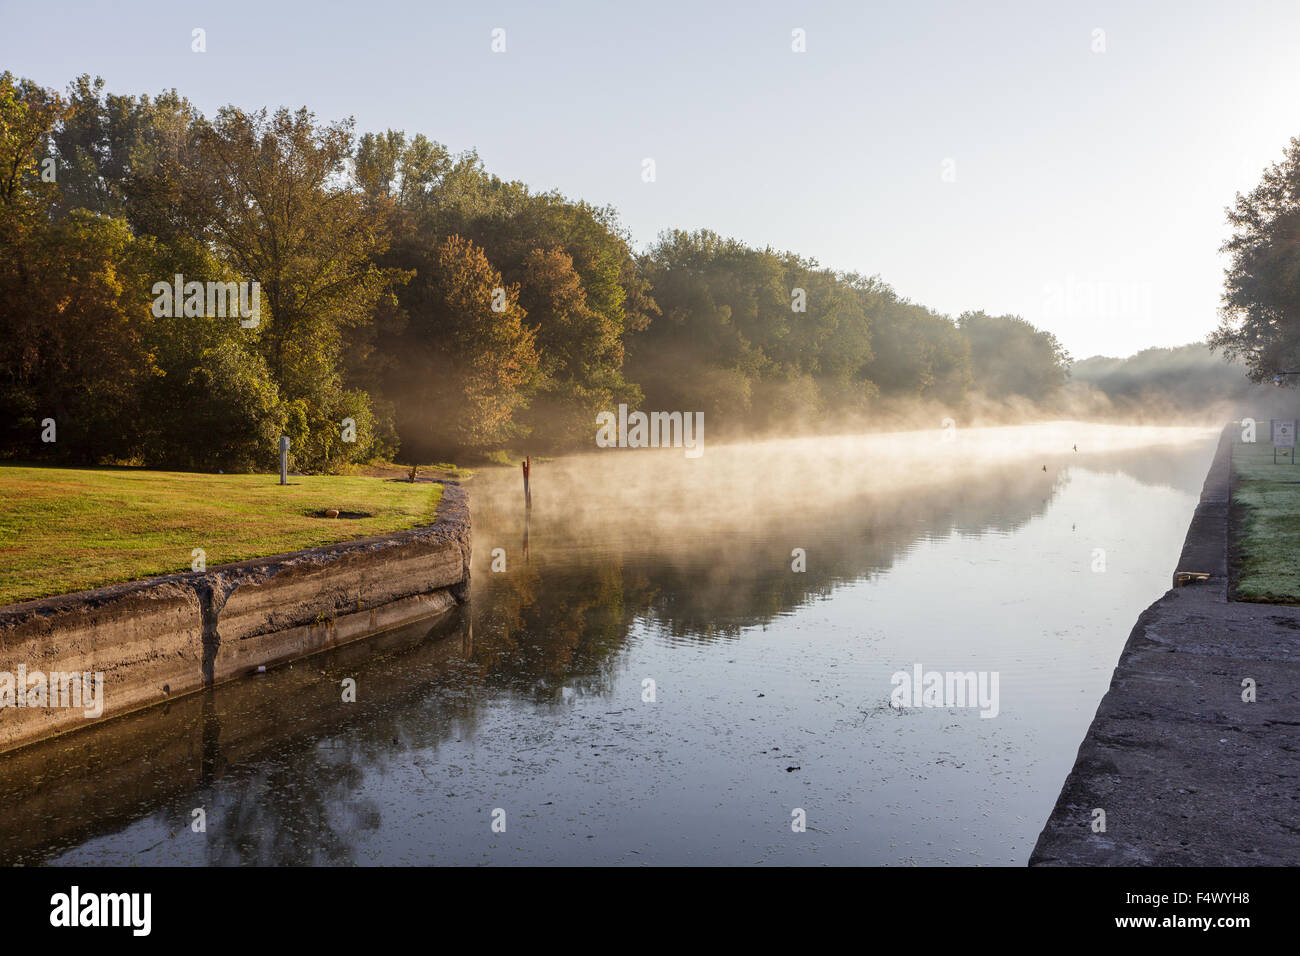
{"x":649,"y":498}
{"x":772,"y":686}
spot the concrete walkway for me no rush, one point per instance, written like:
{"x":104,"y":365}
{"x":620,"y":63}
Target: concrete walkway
{"x":1186,"y":772}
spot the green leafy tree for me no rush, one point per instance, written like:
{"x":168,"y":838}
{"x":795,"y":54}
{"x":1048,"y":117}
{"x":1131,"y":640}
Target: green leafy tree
{"x":28,"y":117}
{"x":1260,"y":317}
{"x":918,"y":353}
{"x":212,"y":404}
{"x":270,"y":195}
{"x":1011,"y":357}
{"x":752,"y":337}
{"x":127,"y":156}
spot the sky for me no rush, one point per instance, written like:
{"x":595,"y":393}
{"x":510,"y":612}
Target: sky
{"x":1069,"y":162}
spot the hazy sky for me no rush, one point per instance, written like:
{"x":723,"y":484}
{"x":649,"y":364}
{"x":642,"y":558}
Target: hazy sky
{"x":1088,"y":187}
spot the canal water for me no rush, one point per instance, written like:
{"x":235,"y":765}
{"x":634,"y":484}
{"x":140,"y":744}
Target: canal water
{"x":678,"y":660}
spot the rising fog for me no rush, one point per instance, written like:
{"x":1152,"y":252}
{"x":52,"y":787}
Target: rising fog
{"x":643,"y":498}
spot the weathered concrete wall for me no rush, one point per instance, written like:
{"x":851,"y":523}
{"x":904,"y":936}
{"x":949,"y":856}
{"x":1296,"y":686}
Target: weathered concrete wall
{"x":1185,"y":770}
{"x":161,"y":637}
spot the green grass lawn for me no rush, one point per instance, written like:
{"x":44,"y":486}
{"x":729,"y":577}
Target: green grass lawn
{"x":1269,"y":568}
{"x":64,"y":529}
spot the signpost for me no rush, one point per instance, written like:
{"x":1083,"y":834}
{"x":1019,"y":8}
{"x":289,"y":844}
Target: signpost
{"x":1283,"y":437}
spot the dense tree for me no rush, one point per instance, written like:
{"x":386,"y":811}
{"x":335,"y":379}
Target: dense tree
{"x":70,"y":303}
{"x":114,"y":152}
{"x":918,"y":353}
{"x":1260,"y":318}
{"x":1011,"y":357}
{"x":270,"y":197}
{"x":754,"y":338}
{"x":78,"y":341}
{"x":28,"y":118}
{"x":1157,"y":382}
{"x":214,"y":403}
{"x":69,"y":351}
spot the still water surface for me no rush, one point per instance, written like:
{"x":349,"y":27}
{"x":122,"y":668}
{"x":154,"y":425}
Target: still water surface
{"x":771,"y":686}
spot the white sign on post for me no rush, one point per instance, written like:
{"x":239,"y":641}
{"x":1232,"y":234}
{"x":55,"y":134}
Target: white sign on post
{"x":1283,"y":437}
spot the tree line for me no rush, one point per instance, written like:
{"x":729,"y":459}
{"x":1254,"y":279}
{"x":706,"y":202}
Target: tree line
{"x":411,"y":303}
{"x":1159,"y":384}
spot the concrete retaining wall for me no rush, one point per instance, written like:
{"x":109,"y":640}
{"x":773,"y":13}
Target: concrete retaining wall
{"x":162,"y":637}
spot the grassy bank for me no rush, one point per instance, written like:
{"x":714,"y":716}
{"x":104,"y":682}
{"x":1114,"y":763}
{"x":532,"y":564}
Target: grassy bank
{"x":1268,"y":545}
{"x":64,"y":529}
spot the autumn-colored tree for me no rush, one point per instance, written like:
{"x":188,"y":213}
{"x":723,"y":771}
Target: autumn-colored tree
{"x":525,"y":313}
{"x":468,"y":357}
{"x":580,"y":350}
{"x":571,"y":262}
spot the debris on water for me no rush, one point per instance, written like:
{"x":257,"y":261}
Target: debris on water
{"x":792,"y":769}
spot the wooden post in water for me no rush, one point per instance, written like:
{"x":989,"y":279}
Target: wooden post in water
{"x":528,"y":520}
{"x":528,"y":503}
